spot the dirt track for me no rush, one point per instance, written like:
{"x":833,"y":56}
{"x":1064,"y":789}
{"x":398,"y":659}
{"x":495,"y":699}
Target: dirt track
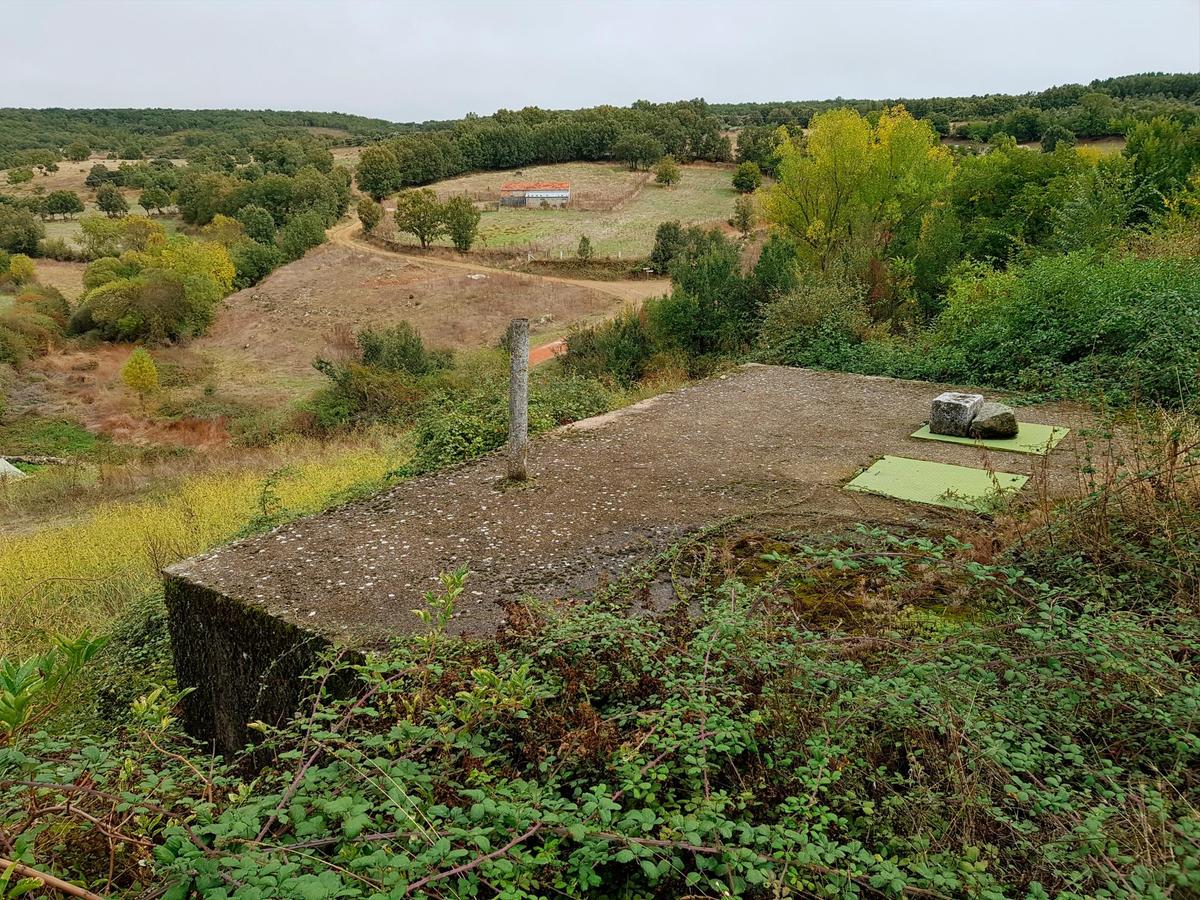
{"x":344,"y":233}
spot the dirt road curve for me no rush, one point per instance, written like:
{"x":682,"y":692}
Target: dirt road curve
{"x":631,"y":291}
{"x":546,"y":352}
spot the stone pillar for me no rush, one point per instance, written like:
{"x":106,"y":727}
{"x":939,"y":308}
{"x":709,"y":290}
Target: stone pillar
{"x":518,"y":399}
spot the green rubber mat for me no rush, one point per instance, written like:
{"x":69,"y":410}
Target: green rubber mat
{"x":1031,"y":438}
{"x":958,"y":487}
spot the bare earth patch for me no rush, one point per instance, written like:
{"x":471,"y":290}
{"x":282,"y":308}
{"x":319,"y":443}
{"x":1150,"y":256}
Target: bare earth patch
{"x":265,"y":338}
{"x":85,"y":386}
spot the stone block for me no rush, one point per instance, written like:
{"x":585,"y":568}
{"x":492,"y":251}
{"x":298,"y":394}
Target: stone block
{"x":953,"y":412}
{"x":994,"y":420}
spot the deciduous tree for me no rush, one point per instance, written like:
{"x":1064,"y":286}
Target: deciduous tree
{"x":140,"y":375}
{"x":77,"y":151}
{"x":370,"y":214}
{"x":21,"y":268}
{"x":154,"y":198}
{"x":20,"y":230}
{"x":305,"y":231}
{"x":419,"y":213}
{"x":638,"y":151}
{"x":63,"y":203}
{"x":747,"y":177}
{"x":855,"y":184}
{"x":377,"y":173}
{"x":462,"y":222}
{"x":111,"y":202}
{"x":258,"y":222}
{"x":666,"y":171}
{"x":744,"y":214}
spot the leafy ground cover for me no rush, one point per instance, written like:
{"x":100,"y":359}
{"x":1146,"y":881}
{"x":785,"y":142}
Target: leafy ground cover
{"x":871,"y":714}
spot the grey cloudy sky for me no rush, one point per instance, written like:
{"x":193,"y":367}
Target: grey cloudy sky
{"x":407,"y":61}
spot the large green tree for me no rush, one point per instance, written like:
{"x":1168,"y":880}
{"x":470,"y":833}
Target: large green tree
{"x":377,"y":173}
{"x":462,"y":222}
{"x":63,"y":203}
{"x":111,"y":202}
{"x":854,"y":186}
{"x":419,"y":213}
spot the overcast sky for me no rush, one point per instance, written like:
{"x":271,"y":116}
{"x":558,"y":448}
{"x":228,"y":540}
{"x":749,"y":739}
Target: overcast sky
{"x":435,"y":59}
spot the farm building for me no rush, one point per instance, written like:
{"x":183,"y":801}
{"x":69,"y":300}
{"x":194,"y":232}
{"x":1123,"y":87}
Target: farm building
{"x":535,"y":193}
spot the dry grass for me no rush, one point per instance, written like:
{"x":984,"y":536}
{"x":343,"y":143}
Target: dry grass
{"x":266,"y":337}
{"x":69,"y":177}
{"x":602,"y":181}
{"x":66,"y":276}
{"x":80,"y":572}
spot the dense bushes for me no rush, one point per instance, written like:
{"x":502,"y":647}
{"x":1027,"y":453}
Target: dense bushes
{"x":713,"y":309}
{"x":20,"y":230}
{"x":1125,"y":327}
{"x":456,"y":411}
{"x":165,"y":289}
{"x":35,"y":319}
{"x":456,"y":425}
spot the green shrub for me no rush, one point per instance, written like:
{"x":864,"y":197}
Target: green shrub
{"x":301,"y":234}
{"x":399,"y":348}
{"x":1126,"y":327}
{"x":45,"y":301}
{"x":619,"y":349}
{"x":258,"y":222}
{"x":253,"y":262}
{"x":14,"y":348}
{"x":835,"y":730}
{"x":457,"y":425}
{"x":37,"y":330}
{"x":58,"y":248}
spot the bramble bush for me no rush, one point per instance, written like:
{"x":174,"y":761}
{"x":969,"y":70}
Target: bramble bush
{"x":459,"y":424}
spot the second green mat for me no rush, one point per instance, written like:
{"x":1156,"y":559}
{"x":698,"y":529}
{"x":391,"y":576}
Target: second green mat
{"x":1031,"y":438}
{"x":940,"y":484}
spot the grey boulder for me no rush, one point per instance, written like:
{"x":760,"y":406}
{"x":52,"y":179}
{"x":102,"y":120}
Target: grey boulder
{"x":9,"y":472}
{"x":994,"y":420}
{"x":952,"y":413}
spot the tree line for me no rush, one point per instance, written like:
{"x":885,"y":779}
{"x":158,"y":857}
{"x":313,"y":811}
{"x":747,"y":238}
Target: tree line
{"x":638,"y":135}
{"x":1152,"y":87}
{"x":173,"y":133}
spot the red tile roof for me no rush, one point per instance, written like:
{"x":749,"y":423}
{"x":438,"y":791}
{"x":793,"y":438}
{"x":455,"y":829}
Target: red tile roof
{"x":535,"y":186}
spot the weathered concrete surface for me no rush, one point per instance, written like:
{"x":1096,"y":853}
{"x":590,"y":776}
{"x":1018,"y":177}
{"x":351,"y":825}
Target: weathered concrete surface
{"x":604,"y":493}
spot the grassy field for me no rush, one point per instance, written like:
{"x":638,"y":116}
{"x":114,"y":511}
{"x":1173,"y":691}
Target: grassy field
{"x":68,"y":229}
{"x":704,"y":195}
{"x":83,"y":571}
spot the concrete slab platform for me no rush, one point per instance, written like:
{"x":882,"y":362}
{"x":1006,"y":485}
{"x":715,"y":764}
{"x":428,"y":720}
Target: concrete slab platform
{"x":606,"y":492}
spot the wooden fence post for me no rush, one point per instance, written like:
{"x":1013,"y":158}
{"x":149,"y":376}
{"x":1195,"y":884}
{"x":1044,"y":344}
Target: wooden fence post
{"x":518,"y":399}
